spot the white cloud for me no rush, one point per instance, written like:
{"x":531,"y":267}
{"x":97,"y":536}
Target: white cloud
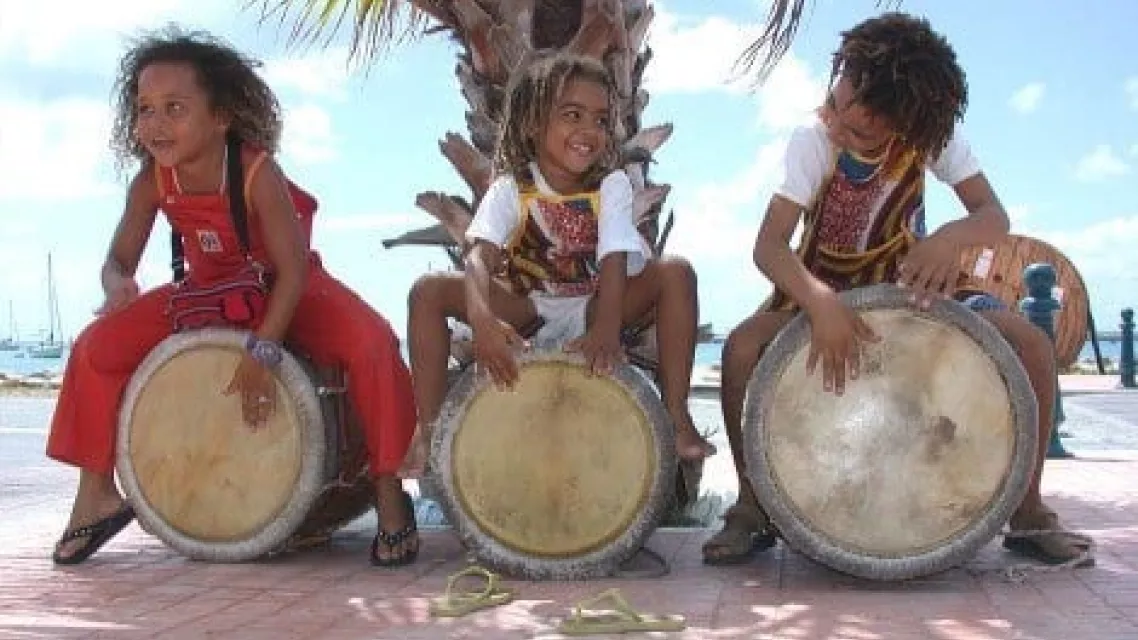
{"x":319,"y":74}
{"x":790,"y":95}
{"x":1103,"y":253}
{"x":1018,"y":213}
{"x":691,"y":56}
{"x":89,"y":35}
{"x":55,"y":150}
{"x":1100,"y":164}
{"x":1027,"y":99}
{"x":308,"y":137}
{"x":718,"y":221}
{"x":1132,"y":91}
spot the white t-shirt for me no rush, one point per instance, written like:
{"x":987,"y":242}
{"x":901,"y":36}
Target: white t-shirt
{"x":810,"y":157}
{"x":498,"y":217}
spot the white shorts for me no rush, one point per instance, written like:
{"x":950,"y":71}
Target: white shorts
{"x":564,"y":319}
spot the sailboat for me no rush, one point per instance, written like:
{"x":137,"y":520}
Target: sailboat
{"x":51,"y":348}
{"x":11,"y":342}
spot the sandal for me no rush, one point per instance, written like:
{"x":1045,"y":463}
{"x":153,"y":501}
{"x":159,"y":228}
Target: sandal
{"x":1045,"y":540}
{"x":454,"y":603}
{"x":621,"y":618}
{"x":97,"y":534}
{"x":393,"y":540}
{"x":745,"y":533}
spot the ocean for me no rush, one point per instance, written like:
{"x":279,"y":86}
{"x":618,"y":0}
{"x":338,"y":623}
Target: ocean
{"x":706,"y":354}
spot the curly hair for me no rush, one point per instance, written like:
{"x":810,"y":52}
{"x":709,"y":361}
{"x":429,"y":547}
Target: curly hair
{"x":227,"y":76}
{"x":904,"y":72}
{"x":530,"y":99}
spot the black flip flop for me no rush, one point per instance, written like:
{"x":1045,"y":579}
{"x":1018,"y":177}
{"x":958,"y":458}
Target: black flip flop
{"x":392,"y":540}
{"x":97,"y":534}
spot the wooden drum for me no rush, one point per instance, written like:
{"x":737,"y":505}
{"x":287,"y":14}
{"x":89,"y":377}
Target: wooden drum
{"x":917,"y":465}
{"x":998,"y":271}
{"x":215,"y":489}
{"x":564,"y":477}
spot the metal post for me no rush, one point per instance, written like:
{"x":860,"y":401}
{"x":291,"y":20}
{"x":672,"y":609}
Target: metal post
{"x":1126,"y":361}
{"x":1039,"y":308}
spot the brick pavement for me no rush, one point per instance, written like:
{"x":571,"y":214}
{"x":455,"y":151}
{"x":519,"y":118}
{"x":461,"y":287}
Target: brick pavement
{"x":136,"y":588}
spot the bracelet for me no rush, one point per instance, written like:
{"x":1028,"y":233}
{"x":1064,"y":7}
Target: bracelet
{"x":266,"y":352}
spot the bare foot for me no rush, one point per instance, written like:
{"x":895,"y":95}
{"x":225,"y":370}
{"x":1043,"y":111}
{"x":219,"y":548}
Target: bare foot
{"x":689,"y":444}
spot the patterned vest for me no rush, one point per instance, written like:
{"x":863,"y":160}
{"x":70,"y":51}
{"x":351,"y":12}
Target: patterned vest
{"x":554,"y":249}
{"x":843,"y":242}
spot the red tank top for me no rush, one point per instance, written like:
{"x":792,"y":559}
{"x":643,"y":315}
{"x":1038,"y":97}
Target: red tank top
{"x":209,"y":238}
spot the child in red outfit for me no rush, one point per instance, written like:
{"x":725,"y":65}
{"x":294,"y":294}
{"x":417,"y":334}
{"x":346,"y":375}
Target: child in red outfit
{"x":179,"y":97}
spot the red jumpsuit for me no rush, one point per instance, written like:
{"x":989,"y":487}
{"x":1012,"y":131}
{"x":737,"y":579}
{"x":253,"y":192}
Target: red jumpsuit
{"x":331,"y":324}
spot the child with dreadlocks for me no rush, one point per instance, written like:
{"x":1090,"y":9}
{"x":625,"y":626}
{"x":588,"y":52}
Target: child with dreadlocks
{"x":857,"y":173}
{"x":554,"y":239}
{"x":183,"y":99}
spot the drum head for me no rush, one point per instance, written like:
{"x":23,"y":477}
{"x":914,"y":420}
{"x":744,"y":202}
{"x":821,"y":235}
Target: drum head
{"x":562,"y":477}
{"x":1001,"y":275}
{"x":917,"y":464}
{"x":199,"y":478}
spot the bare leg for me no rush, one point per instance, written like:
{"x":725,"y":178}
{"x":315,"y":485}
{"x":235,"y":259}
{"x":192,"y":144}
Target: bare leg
{"x":434,"y":298}
{"x":741,"y":353}
{"x":1036,"y":352}
{"x":669,"y":285}
{"x":96,"y":498}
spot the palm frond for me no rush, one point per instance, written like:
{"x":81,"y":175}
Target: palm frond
{"x":783,"y":21}
{"x":375,"y":24}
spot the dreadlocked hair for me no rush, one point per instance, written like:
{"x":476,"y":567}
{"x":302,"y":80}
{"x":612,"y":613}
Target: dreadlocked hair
{"x":530,"y":99}
{"x":903,"y":71}
{"x":227,"y":77}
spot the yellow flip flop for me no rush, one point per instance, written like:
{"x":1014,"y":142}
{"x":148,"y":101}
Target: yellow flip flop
{"x":621,"y":618}
{"x":454,"y":603}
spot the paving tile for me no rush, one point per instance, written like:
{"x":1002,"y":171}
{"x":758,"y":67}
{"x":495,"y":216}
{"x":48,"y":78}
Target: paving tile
{"x":137,"y":588}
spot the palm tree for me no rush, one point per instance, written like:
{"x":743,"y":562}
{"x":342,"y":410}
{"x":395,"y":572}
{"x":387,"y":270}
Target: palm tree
{"x":495,"y":37}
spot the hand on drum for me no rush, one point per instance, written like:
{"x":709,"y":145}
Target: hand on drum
{"x":495,"y":342}
{"x":602,"y":351}
{"x":258,"y":390}
{"x":930,"y":270}
{"x":120,"y":290}
{"x":837,"y":332}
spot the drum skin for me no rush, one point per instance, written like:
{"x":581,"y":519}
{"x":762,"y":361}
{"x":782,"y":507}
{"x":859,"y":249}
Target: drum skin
{"x":917,"y":465}
{"x":198,"y":477}
{"x":1004,"y":280}
{"x":564,"y":477}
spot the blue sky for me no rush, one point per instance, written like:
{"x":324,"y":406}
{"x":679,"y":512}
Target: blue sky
{"x":1053,"y":117}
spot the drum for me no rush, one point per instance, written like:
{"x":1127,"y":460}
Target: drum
{"x":998,"y":270}
{"x":917,"y":465}
{"x":564,"y":477}
{"x":214,"y":489}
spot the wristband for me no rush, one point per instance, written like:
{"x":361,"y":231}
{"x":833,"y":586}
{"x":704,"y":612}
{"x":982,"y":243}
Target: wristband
{"x":268,"y":353}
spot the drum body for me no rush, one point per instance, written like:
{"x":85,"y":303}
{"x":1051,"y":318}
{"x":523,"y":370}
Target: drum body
{"x":564,"y":477}
{"x":998,"y":271}
{"x":215,"y":489}
{"x":917,"y":465}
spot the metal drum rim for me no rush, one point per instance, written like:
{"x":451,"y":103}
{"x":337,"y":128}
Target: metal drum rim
{"x":600,"y":563}
{"x":798,"y":535}
{"x":309,"y":481}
